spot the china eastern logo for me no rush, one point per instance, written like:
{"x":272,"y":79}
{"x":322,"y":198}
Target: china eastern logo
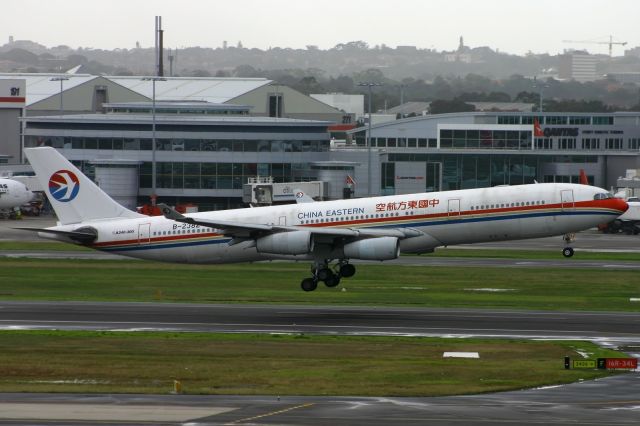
{"x":64,"y":185}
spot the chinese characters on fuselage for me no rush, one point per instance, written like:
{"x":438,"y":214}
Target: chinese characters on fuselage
{"x":407,"y":205}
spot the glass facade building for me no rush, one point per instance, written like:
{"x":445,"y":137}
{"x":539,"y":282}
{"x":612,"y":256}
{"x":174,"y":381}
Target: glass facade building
{"x":201,"y":159}
{"x":479,"y":149}
{"x":206,"y":159}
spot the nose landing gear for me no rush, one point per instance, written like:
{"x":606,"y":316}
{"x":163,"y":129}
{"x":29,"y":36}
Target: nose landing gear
{"x":331,"y":277}
{"x":568,"y":239}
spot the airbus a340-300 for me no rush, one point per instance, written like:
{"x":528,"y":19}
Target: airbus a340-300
{"x":328,"y":233}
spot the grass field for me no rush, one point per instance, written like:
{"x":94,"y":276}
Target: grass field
{"x":111,"y":362}
{"x":278,"y":282}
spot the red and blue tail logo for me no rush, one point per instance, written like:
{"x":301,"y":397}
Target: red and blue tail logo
{"x":64,"y":185}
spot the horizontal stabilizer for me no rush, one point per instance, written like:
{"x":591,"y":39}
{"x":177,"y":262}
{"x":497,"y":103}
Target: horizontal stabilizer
{"x":82,"y":236}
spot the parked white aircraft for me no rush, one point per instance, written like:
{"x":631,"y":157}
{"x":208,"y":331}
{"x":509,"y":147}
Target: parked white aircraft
{"x":378,"y":228}
{"x":13,"y":194}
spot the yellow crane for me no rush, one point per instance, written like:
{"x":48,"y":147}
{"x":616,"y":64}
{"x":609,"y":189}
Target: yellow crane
{"x":610,"y":43}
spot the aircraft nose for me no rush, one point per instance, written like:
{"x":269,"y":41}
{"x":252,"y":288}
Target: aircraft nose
{"x":618,"y":204}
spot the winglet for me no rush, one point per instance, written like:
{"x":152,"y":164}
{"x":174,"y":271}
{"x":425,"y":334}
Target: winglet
{"x":170,"y":213}
{"x":302,"y":197}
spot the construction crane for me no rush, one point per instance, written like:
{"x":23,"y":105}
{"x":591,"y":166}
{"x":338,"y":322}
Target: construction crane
{"x":610,"y":43}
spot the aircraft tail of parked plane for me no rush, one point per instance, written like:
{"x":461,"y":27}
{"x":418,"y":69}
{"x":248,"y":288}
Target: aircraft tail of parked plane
{"x":62,"y":182}
{"x":328,"y":233}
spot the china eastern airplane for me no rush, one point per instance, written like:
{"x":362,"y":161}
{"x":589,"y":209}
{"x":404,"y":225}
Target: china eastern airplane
{"x":13,"y":194}
{"x":328,"y":233}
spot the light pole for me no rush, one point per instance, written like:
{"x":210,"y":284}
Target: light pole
{"x":60,"y":79}
{"x":369,"y":84}
{"x":540,"y":87}
{"x":153,"y":135}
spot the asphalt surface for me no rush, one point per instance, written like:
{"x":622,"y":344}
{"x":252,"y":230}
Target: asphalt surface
{"x":611,"y":401}
{"x":619,"y":328}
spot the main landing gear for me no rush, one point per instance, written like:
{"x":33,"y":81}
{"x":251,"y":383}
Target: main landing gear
{"x":568,"y":239}
{"x":331,"y":277}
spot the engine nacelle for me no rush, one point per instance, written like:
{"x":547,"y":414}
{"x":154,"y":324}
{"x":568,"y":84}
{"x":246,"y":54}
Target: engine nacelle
{"x":295,"y":242}
{"x":382,"y":248}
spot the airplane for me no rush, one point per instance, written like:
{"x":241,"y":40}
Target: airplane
{"x":13,"y":194}
{"x":323,"y":232}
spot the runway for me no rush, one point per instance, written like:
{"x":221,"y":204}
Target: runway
{"x":612,"y":401}
{"x":616,"y":327}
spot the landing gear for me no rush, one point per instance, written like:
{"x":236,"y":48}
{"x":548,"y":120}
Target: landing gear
{"x":568,"y":239}
{"x":331,"y":277}
{"x":347,"y":270}
{"x":309,"y":284}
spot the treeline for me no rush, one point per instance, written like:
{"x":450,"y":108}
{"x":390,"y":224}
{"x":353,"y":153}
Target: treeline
{"x":409,"y":74}
{"x":450,"y":94}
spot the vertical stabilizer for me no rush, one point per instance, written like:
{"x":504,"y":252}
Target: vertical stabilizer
{"x":74,"y":197}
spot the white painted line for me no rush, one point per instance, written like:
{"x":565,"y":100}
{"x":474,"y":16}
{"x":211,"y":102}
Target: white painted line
{"x":461,"y":355}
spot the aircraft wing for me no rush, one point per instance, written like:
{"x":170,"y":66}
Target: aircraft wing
{"x":241,"y":229}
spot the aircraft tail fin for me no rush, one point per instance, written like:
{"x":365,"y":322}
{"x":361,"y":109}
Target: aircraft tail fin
{"x":583,"y":177}
{"x":302,"y":197}
{"x":74,"y":197}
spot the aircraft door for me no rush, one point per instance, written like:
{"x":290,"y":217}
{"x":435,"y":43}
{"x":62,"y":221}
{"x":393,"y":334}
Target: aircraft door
{"x":282,"y":221}
{"x":566,"y":198}
{"x":144,"y":233}
{"x":453,"y":208}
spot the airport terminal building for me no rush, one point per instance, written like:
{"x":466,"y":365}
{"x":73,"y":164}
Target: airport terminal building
{"x":214,"y":135}
{"x":207,"y":155}
{"x":480,"y":149}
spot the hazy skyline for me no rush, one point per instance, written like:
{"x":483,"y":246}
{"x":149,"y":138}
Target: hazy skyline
{"x":508,"y":25}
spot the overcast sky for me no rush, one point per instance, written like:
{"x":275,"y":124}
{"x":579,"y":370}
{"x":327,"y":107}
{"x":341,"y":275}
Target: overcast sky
{"x":512,"y":26}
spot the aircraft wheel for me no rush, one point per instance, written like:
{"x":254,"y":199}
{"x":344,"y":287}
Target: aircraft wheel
{"x":323,"y":274}
{"x":567,"y":252}
{"x":309,"y":284}
{"x":347,"y":270}
{"x":332,"y":281}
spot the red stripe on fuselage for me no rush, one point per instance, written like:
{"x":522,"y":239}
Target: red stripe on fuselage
{"x":157,"y":239}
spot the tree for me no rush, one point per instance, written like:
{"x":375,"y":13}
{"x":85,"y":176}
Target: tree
{"x":442,"y":106}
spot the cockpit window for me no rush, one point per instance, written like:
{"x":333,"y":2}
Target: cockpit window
{"x":603,"y":196}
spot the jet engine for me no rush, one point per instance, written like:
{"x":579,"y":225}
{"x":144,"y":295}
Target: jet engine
{"x":381,"y":248}
{"x":295,"y":242}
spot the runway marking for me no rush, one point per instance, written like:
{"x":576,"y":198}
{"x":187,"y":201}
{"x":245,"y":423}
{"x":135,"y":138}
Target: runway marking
{"x":272,"y":413}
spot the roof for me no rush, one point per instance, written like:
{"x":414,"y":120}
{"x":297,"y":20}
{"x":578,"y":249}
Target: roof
{"x":114,"y":118}
{"x":502,"y":106}
{"x":176,"y":106}
{"x":410,"y":108}
{"x":215,"y":90}
{"x":41,"y":86}
{"x":211,"y":89}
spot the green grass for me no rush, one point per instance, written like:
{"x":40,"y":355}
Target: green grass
{"x":40,"y":246}
{"x":535,"y":254}
{"x":112,"y":362}
{"x":278,"y":282}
